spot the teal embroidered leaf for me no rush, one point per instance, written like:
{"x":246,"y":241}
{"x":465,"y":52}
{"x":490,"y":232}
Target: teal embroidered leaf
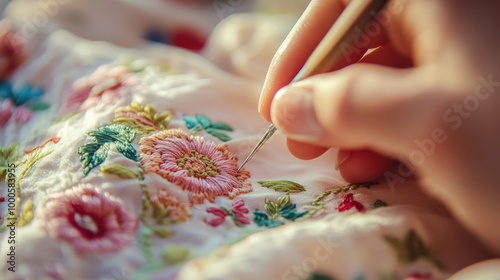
{"x":94,"y":153}
{"x":203,"y":121}
{"x":289,"y":212}
{"x":217,"y":134}
{"x":37,"y":106}
{"x":411,"y":248}
{"x":190,"y":122}
{"x":200,"y":123}
{"x":262,"y":220}
{"x":283,"y":186}
{"x":221,"y":126}
{"x":127,"y":150}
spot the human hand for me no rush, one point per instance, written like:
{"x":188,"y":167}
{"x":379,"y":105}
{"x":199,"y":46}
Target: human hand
{"x":426,"y":96}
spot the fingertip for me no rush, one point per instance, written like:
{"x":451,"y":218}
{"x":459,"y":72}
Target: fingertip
{"x":305,"y":151}
{"x":362,"y":166}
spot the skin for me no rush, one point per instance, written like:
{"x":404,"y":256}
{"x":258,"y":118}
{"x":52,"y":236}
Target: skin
{"x":420,"y":85}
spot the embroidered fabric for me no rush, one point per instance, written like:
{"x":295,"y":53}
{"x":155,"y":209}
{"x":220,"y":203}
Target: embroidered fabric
{"x":130,"y":173}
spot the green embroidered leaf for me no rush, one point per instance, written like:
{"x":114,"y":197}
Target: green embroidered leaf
{"x":119,"y":170}
{"x":38,"y":106}
{"x":217,"y":134}
{"x":415,"y":246}
{"x":272,"y":209}
{"x":412,"y":248}
{"x":262,"y":220}
{"x":289,"y":212}
{"x":282,"y":186}
{"x":284,"y":200}
{"x":93,"y":154}
{"x":8,"y":155}
{"x":127,"y":150}
{"x":162,"y":232}
{"x":377,"y":204}
{"x":113,"y":133}
{"x":190,"y":122}
{"x":221,"y":126}
{"x":26,"y":214}
{"x":176,"y":254}
{"x":203,"y":121}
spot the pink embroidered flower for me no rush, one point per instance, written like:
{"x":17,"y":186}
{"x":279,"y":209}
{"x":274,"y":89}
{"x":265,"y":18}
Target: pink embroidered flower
{"x":348,"y":202}
{"x":237,"y":213}
{"x":91,"y":221}
{"x":418,"y":275}
{"x":11,"y":51}
{"x":204,"y":169}
{"x":105,"y":86}
{"x":167,"y":208}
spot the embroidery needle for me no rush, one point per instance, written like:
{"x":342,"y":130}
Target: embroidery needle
{"x":332,"y":49}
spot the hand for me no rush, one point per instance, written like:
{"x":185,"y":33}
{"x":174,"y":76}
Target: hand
{"x":427,"y":96}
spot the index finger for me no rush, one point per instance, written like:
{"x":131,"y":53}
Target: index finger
{"x":307,"y":33}
{"x":297,"y":47}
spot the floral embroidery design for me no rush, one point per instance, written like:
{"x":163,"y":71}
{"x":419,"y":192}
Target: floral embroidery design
{"x":107,"y":85}
{"x":91,"y":221}
{"x":20,"y":103}
{"x":348,"y":202}
{"x":11,"y":51}
{"x":204,"y":169}
{"x":167,"y":209}
{"x":200,"y":123}
{"x":94,"y":153}
{"x":274,"y":210}
{"x":142,"y":118}
{"x":10,"y":154}
{"x":237,"y":214}
{"x":412,"y":248}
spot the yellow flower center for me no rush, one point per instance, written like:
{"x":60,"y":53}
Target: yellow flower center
{"x":197,"y":165}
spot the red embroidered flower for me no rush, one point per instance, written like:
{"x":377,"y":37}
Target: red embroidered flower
{"x":237,"y":213}
{"x":91,"y":221}
{"x":105,"y":86}
{"x":348,"y":202}
{"x":204,"y":169}
{"x":11,"y":50}
{"x":167,"y":208}
{"x":2,"y":199}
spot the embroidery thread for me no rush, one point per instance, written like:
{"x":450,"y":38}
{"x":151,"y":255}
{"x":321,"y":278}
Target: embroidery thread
{"x":237,"y":214}
{"x":281,"y":208}
{"x":94,"y":153}
{"x":204,"y":169}
{"x":20,"y":103}
{"x":200,"y":123}
{"x":282,"y":186}
{"x":142,"y":118}
{"x":89,"y":220}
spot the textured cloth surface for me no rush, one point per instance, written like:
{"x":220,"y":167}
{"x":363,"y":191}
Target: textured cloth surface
{"x":125,"y":168}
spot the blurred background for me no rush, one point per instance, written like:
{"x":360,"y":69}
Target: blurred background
{"x":183,"y":23}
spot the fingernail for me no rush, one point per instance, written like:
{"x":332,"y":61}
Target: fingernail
{"x":292,"y":112}
{"x":341,"y":158}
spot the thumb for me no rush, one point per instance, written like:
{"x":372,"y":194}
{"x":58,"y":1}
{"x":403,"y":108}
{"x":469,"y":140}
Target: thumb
{"x":360,"y":106}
